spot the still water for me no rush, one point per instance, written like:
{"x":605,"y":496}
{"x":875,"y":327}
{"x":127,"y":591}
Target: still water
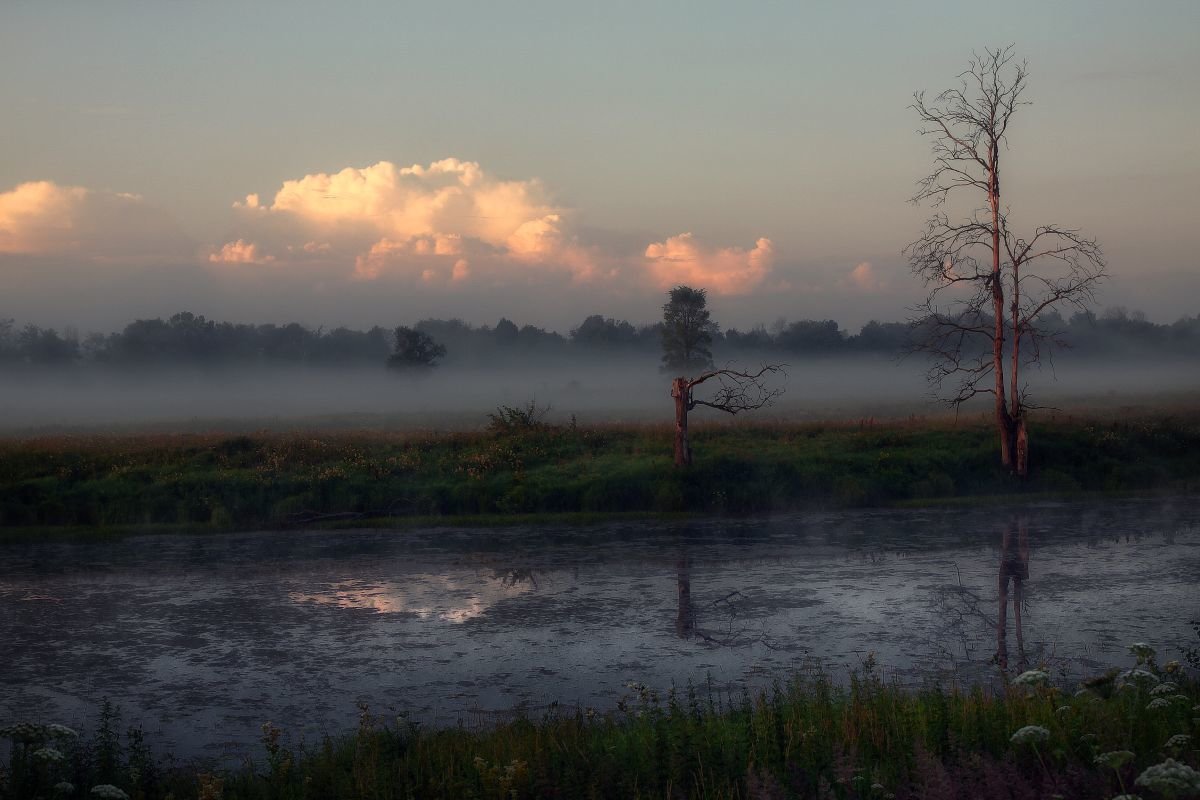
{"x":202,"y":639}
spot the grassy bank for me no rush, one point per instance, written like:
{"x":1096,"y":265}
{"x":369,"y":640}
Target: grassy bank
{"x":810,"y":738}
{"x":526,"y":468}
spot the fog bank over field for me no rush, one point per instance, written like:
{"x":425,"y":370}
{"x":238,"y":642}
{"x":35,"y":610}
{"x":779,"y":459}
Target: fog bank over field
{"x":459,"y":397}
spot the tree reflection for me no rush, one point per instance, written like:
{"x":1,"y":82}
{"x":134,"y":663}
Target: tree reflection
{"x":1014,"y":571}
{"x":685,"y":618}
{"x":718,"y":624}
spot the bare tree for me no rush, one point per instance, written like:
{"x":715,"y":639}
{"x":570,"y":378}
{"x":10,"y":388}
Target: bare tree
{"x":739,"y":391}
{"x":969,"y":263}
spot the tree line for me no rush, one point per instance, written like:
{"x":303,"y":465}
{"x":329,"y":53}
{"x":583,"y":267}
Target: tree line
{"x":191,"y":339}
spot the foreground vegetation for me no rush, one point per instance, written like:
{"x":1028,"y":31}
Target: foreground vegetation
{"x":522,"y":466}
{"x":1128,"y":731}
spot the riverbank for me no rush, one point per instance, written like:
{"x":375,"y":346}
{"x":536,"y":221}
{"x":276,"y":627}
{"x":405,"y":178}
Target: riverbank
{"x":522,"y":468}
{"x":1128,"y":730}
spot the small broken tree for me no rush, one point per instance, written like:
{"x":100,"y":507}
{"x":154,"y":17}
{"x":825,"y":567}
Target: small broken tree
{"x":970,"y":328}
{"x":739,"y":391}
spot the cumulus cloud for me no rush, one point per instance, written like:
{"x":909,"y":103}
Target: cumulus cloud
{"x":43,"y":218}
{"x":865,"y":278}
{"x":724,"y":271}
{"x":418,"y":221}
{"x":239,"y":252}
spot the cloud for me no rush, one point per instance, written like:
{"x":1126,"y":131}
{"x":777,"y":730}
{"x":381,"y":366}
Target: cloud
{"x":42,"y":218}
{"x":417,"y":222}
{"x":239,"y":252}
{"x":864,"y":278}
{"x":724,"y":271}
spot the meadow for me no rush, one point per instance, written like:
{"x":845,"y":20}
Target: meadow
{"x":520,"y":467}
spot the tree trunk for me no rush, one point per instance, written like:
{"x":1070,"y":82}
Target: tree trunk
{"x":1004,"y":422}
{"x":683,"y":450}
{"x":1021,"y":437}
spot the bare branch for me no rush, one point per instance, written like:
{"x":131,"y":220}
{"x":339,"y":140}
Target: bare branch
{"x":739,"y":390}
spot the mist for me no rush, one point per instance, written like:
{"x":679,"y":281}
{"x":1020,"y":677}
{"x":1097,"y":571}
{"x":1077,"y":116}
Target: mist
{"x":459,"y":396}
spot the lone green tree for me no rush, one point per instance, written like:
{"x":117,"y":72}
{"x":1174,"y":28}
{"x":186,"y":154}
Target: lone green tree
{"x":990,"y":292}
{"x":415,"y":351}
{"x":686,"y":330}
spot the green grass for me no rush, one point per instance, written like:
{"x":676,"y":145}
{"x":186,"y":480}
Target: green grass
{"x":214,"y":481}
{"x":807,"y":738}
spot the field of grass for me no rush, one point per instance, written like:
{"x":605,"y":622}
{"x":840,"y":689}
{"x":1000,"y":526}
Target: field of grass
{"x":271,"y":479}
{"x":1129,"y":731}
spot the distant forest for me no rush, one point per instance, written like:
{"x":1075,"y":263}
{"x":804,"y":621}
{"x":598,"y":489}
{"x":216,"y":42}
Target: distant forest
{"x":190,"y":339}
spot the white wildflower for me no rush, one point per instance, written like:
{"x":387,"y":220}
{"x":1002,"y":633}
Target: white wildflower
{"x":1062,"y":711}
{"x":51,"y":755}
{"x":1030,"y":734}
{"x":1114,"y":758}
{"x":1032,"y":677}
{"x":64,"y":787}
{"x":1178,"y":740}
{"x":1170,"y":778}
{"x":1166,"y":687}
{"x":1138,"y":676}
{"x":61,"y":731}
{"x":1143,"y":651}
{"x":1128,"y":797}
{"x":23,"y":732}
{"x":106,"y":791}
{"x":1157,"y":703}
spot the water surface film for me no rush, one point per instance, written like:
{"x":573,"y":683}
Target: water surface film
{"x":201,"y":639}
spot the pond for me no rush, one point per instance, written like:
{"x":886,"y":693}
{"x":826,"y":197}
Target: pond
{"x":201,"y":639}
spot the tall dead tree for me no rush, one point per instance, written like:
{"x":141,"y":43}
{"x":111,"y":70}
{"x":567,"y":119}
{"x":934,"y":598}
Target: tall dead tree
{"x":969,"y":262}
{"x":739,"y":391}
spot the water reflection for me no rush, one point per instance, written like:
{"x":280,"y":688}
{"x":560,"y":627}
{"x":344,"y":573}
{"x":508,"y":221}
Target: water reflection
{"x":722,"y":623}
{"x":426,"y":596}
{"x":685,"y":616}
{"x":1014,"y":570}
{"x":204,"y":638}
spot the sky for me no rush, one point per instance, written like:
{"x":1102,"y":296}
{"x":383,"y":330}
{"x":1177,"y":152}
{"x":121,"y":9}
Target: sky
{"x":366,"y":163}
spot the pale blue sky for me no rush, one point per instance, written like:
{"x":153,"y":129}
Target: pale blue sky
{"x":647,"y":120}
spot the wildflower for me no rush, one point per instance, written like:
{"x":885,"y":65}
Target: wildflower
{"x":1171,"y":667}
{"x":1178,"y":741}
{"x":1113,"y":759}
{"x":1128,"y":797}
{"x":1089,"y":738}
{"x":25,"y":732}
{"x":1062,"y":711}
{"x":1157,"y":703}
{"x":51,"y":755}
{"x":64,"y":787}
{"x":1170,"y":778}
{"x":1166,"y":687}
{"x":1032,"y":677}
{"x":1143,"y":651}
{"x":1030,"y":734}
{"x":1138,"y":676}
{"x":106,"y":791}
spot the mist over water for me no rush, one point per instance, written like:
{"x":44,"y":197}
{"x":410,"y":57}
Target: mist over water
{"x":459,"y":396}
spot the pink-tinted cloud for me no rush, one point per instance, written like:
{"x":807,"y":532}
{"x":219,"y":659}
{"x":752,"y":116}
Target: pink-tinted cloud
{"x":865,"y":278}
{"x":239,"y":252}
{"x":42,"y":218}
{"x":724,"y":271}
{"x":405,"y":221}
